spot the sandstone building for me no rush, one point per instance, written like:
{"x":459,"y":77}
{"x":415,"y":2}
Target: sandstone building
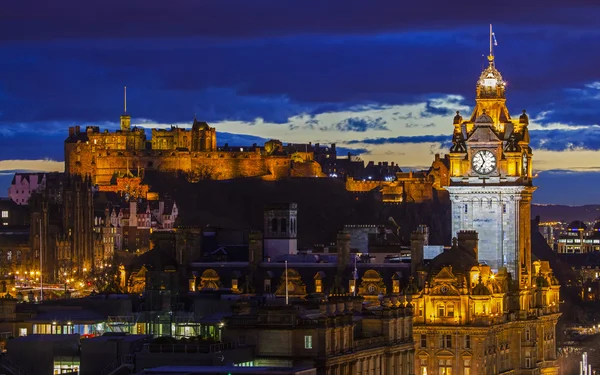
{"x":106,"y":156}
{"x":485,"y":306}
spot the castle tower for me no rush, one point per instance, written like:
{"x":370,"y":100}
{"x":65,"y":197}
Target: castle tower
{"x":280,"y":229}
{"x":418,"y":240}
{"x":490,"y":178}
{"x":125,"y":118}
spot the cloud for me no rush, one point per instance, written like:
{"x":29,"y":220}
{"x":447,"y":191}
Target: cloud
{"x":355,"y":124}
{"x":36,"y":19}
{"x":444,"y":139}
{"x":587,"y":138}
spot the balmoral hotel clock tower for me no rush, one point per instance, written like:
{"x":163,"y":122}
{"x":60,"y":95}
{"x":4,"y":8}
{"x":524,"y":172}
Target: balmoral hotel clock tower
{"x":491,"y":178}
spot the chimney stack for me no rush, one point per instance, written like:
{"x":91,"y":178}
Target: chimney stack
{"x":418,"y":240}
{"x":469,"y":239}
{"x":255,"y":247}
{"x":343,"y":249}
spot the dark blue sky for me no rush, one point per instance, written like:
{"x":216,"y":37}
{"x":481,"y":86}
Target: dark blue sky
{"x":381,"y":77}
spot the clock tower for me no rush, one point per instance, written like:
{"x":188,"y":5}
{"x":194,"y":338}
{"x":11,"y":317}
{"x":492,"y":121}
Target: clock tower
{"x":491,"y":180}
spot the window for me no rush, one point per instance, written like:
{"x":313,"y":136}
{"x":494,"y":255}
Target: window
{"x":450,"y":310}
{"x":4,"y":214}
{"x":527,"y":359}
{"x":318,"y":286}
{"x":448,"y":341}
{"x":441,"y":310}
{"x":234,"y":284}
{"x":467,"y":367}
{"x":396,"y":286}
{"x":466,"y":208}
{"x":423,"y":367}
{"x":445,"y":367}
{"x":274,"y":225}
{"x":267,"y":286}
{"x":467,"y":341}
{"x":423,"y":341}
{"x":22,"y":331}
{"x":307,"y":342}
{"x":527,"y":334}
{"x":283,"y":225}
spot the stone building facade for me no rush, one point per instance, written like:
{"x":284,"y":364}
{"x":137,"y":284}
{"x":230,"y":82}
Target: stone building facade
{"x":106,"y":155}
{"x":337,"y":338}
{"x":484,"y":306}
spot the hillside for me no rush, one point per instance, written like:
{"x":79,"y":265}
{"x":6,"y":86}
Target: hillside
{"x":566,"y":213}
{"x":324,"y":206}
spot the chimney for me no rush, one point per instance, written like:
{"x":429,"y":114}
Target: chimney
{"x":437,"y":157}
{"x":77,"y":130}
{"x":255,"y":247}
{"x":71,"y":131}
{"x":418,"y":240}
{"x":469,"y":239}
{"x":343,"y":249}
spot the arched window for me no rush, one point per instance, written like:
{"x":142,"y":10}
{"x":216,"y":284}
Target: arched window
{"x":274,"y":225}
{"x":283,"y":225}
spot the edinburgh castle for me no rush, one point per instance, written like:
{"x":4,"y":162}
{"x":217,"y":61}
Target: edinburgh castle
{"x":106,"y":156}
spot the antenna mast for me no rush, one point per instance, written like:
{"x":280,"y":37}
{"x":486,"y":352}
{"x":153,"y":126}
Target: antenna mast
{"x":125,"y":98}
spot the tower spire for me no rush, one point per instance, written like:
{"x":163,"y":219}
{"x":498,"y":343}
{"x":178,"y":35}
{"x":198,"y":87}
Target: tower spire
{"x":125,"y":100}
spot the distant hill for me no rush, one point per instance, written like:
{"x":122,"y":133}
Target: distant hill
{"x":324,"y":206}
{"x":552,"y":212}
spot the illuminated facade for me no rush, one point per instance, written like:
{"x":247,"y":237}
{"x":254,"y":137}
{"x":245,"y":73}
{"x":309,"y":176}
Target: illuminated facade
{"x":484,"y":306}
{"x":110,"y":156}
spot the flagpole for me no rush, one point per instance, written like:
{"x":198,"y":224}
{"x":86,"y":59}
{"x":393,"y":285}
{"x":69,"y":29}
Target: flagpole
{"x":355,"y":275}
{"x":41,"y":268}
{"x":287,"y":298}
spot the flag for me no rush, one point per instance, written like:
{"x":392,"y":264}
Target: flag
{"x":495,"y":41}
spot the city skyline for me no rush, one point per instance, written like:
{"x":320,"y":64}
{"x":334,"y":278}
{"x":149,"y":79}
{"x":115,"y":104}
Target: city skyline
{"x":378,"y":80}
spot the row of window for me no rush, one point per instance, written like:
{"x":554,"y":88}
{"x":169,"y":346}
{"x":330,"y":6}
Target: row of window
{"x":280,"y":225}
{"x":445,"y":341}
{"x":489,"y":205}
{"x":444,"y":367}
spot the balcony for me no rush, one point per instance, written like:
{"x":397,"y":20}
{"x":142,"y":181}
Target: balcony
{"x":369,"y":343}
{"x":187,"y":348}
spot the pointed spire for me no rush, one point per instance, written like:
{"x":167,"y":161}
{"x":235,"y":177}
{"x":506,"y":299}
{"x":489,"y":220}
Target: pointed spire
{"x":125,"y":101}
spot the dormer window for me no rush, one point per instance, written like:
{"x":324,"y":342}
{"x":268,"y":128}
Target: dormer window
{"x":318,"y":286}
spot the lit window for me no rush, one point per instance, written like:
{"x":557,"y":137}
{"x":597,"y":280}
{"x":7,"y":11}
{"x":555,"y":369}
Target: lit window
{"x":396,"y":286}
{"x":445,"y":366}
{"x":423,"y":366}
{"x":318,"y":286}
{"x":22,"y":331}
{"x":441,"y":310}
{"x":5,"y":214}
{"x":450,"y":310}
{"x":234,"y":284}
{"x":307,"y":342}
{"x":467,"y":367}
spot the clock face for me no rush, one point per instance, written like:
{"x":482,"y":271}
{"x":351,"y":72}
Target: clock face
{"x":484,"y":162}
{"x":444,"y":289}
{"x":524,"y":164}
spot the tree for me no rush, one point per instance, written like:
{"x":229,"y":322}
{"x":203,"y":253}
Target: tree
{"x":106,"y":278}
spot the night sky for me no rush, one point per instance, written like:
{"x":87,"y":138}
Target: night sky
{"x":376,"y":77}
